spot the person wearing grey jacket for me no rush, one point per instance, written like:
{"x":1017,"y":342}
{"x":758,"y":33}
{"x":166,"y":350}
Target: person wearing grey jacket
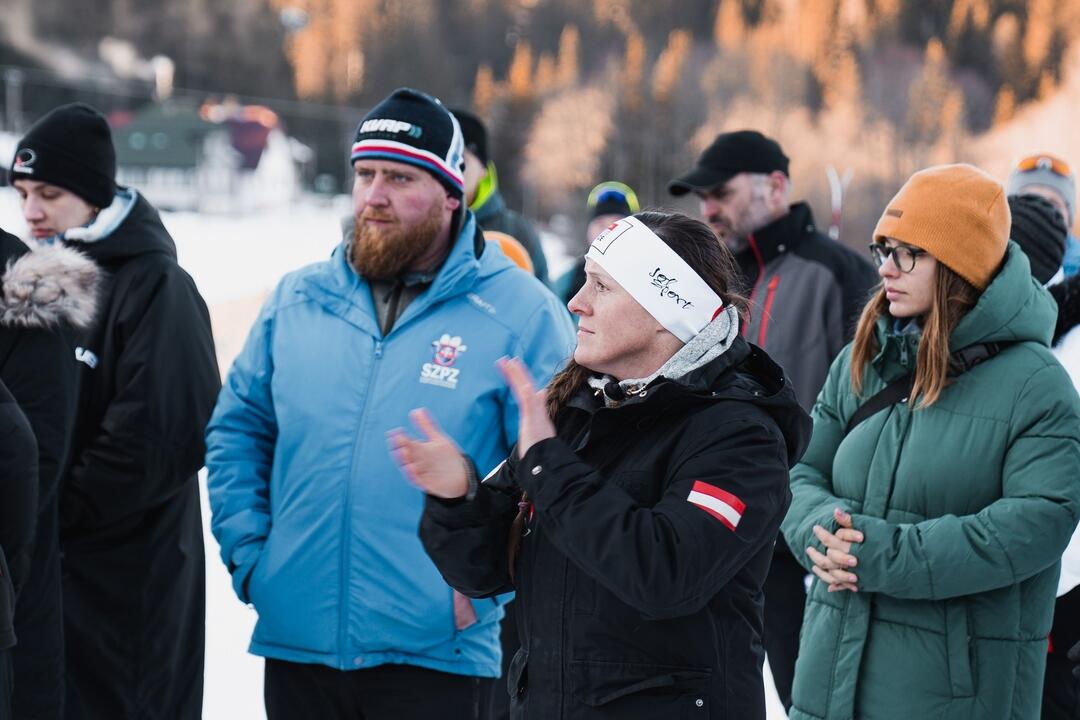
{"x":807,"y":291}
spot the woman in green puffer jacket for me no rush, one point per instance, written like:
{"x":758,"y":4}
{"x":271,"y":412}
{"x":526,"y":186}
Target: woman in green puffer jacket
{"x":935,"y":526}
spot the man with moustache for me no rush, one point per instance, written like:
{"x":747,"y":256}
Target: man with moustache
{"x":314,"y":521}
{"x":807,"y":292}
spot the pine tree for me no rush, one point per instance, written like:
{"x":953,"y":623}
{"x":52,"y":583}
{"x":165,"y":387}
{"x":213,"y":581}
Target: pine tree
{"x":567,"y":68}
{"x":633,"y":70}
{"x":484,"y":91}
{"x":555,"y":167}
{"x":1004,"y":106}
{"x":669,"y":65}
{"x":520,"y":76}
{"x":1038,"y":31}
{"x":546,"y":78}
{"x":729,"y":31}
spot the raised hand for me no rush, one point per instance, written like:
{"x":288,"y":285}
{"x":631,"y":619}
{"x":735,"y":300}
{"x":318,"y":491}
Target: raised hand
{"x":434,"y":464}
{"x":534,"y":424}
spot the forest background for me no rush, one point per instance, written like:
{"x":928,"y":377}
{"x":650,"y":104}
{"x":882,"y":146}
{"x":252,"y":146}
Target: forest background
{"x":578,"y":91}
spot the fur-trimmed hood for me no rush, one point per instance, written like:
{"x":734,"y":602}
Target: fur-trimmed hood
{"x":49,"y":285}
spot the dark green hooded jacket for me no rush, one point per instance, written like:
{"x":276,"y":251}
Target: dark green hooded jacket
{"x":966,"y":507}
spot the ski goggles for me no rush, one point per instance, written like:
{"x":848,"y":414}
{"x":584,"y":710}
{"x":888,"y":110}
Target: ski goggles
{"x":1044,"y":162}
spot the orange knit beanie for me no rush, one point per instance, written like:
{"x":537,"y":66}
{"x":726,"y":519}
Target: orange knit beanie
{"x":958,"y":214}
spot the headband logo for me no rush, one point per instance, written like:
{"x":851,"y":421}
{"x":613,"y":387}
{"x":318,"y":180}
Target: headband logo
{"x":395,"y":127}
{"x":24,"y":161}
{"x":664,"y":283}
{"x":604,"y":240}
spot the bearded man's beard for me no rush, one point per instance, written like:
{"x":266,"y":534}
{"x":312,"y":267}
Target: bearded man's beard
{"x":384,"y":252}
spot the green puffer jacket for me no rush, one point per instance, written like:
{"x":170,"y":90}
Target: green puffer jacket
{"x":966,"y":507}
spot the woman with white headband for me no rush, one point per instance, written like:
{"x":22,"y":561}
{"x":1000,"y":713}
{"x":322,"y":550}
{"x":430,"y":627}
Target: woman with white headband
{"x":637,"y":515}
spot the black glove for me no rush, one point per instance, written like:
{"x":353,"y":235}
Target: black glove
{"x":1074,"y":656}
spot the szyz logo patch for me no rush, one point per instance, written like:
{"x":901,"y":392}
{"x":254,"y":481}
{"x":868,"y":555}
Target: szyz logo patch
{"x":441,"y":371}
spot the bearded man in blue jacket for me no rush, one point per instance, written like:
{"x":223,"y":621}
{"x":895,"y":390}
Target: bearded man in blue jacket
{"x":315,"y":522}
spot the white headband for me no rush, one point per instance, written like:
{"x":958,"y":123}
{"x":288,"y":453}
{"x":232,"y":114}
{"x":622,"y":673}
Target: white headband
{"x":656,"y":277}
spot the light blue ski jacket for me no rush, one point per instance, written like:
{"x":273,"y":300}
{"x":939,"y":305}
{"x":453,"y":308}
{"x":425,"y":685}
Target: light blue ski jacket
{"x":316,"y":523}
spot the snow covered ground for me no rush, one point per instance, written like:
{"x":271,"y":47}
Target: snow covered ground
{"x":235,"y":261}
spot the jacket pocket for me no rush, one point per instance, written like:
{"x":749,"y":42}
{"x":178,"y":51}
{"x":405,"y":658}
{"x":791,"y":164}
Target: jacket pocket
{"x":958,"y":647}
{"x":667,"y":687}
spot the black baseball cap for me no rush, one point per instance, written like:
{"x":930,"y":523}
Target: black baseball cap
{"x":730,"y":154}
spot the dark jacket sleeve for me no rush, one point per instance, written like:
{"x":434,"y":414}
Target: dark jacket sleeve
{"x":41,"y":374}
{"x":1067,"y":296}
{"x":813,"y":499}
{"x":668,"y":560}
{"x":18,"y":486}
{"x":150,"y":440}
{"x":468,"y":539}
{"x":526,"y":234}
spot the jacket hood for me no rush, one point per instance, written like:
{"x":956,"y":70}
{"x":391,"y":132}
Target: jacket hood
{"x":758,"y":380}
{"x":130,"y":226}
{"x":46,"y":285}
{"x":744,"y":373}
{"x":1013,"y":308}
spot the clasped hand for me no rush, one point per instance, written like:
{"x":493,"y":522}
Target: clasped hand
{"x":834,"y":565}
{"x":437,"y":466}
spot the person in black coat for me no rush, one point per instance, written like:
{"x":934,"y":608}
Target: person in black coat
{"x":637,"y":517}
{"x":484,"y":198}
{"x":18,"y":505}
{"x":46,"y":295}
{"x":130,"y":521}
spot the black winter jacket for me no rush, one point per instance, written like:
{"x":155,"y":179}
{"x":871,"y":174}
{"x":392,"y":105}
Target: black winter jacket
{"x":494,"y":215}
{"x":1067,"y":296}
{"x":18,"y":504}
{"x":131,"y":528}
{"x":634,"y":600}
{"x":46,"y":295}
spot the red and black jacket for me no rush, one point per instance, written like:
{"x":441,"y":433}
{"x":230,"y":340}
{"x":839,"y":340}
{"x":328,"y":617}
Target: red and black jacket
{"x":807,"y":291}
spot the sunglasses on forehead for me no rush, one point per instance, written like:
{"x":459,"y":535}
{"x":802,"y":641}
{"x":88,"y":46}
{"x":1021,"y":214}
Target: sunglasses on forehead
{"x":1044,"y":162}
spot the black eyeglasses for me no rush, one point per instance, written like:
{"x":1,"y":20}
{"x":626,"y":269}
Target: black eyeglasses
{"x":903,"y":256}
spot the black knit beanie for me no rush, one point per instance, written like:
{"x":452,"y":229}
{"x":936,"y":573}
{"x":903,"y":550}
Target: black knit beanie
{"x":1039,"y":229}
{"x":412,"y":127}
{"x":474,"y":133}
{"x":71,"y":147}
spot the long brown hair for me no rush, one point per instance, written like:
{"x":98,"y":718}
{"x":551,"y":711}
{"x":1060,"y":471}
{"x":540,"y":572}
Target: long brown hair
{"x":953,"y":298}
{"x":695,"y":243}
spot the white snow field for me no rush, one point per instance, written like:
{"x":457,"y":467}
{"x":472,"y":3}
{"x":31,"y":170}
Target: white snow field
{"x":236,"y":261}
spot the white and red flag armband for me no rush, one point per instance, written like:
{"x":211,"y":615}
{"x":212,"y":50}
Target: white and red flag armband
{"x":721,"y":504}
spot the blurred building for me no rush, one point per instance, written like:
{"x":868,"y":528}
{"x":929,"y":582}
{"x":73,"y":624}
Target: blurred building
{"x":218,"y":157}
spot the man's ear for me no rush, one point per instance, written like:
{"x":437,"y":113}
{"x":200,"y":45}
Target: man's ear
{"x":452,"y":202}
{"x":778,"y":188}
